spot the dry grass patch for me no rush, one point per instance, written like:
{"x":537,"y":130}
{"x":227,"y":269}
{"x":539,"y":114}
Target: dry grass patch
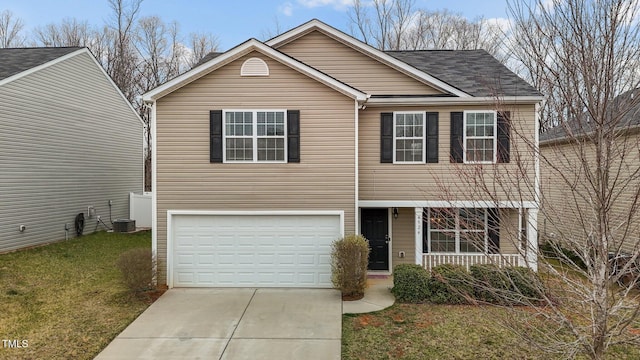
{"x":428,"y":331}
{"x":67,"y":299}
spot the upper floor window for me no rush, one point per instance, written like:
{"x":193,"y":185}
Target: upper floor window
{"x":480,"y":132}
{"x":254,"y":136}
{"x":408,"y":133}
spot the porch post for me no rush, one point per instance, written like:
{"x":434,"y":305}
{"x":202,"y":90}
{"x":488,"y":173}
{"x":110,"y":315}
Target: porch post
{"x":418,"y":234}
{"x":532,"y":239}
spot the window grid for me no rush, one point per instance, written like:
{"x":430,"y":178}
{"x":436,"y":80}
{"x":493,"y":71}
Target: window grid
{"x":255,"y":136}
{"x":457,"y":230}
{"x":480,"y":137}
{"x":408,"y":132}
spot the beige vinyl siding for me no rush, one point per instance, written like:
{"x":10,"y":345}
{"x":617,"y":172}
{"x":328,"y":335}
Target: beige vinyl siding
{"x":566,"y":212}
{"x":323,"y":180}
{"x":509,"y":231}
{"x":67,"y":140}
{"x":353,"y":67}
{"x":403,"y":238}
{"x":445,"y":180}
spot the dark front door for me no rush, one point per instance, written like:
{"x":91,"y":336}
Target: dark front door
{"x":375,"y":228}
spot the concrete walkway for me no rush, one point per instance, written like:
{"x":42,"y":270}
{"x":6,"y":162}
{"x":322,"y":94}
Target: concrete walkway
{"x":234,"y":324}
{"x":377,"y":296}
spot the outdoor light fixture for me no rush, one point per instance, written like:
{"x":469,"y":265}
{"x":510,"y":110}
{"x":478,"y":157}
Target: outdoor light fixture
{"x":395,"y":213}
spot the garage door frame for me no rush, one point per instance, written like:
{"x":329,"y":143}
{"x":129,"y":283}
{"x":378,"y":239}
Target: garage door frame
{"x":172,"y":213}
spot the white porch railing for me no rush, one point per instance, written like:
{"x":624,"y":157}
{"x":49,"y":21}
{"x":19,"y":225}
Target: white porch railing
{"x":467,"y":260}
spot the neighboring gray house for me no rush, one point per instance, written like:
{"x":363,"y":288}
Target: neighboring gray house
{"x":70,"y":144}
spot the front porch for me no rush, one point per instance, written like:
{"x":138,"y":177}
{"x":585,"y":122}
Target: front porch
{"x":472,"y":233}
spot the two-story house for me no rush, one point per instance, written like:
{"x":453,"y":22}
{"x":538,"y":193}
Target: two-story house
{"x":267,"y":153}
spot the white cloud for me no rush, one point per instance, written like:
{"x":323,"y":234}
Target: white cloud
{"x":286,"y":9}
{"x":503,"y":23}
{"x":337,"y":4}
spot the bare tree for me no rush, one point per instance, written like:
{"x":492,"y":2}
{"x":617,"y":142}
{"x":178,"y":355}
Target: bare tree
{"x":387,"y":28}
{"x":397,"y":25}
{"x":70,"y":32}
{"x":122,"y":60}
{"x":11,"y":30}
{"x":585,"y":54}
{"x":201,"y":44}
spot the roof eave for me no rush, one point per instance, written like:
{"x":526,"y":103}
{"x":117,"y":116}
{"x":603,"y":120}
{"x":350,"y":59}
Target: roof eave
{"x":454,"y":100}
{"x":34,"y":69}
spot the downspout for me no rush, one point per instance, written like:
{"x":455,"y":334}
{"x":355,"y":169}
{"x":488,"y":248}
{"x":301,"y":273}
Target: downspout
{"x":357,"y":173}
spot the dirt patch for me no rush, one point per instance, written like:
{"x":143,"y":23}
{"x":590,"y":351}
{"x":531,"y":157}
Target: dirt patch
{"x":150,"y":296}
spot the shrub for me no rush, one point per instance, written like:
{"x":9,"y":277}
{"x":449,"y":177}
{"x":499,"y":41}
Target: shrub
{"x":136,"y":268}
{"x":526,"y":283}
{"x":350,"y":256}
{"x":410,"y":283}
{"x":450,"y":284}
{"x":507,"y":286}
{"x":490,"y":283}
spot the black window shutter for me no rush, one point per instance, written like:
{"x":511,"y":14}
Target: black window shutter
{"x":493,"y":222}
{"x":457,"y":125}
{"x":386,"y":137}
{"x":504,"y":137}
{"x":293,"y":136}
{"x":432,"y":137}
{"x":215,"y":136}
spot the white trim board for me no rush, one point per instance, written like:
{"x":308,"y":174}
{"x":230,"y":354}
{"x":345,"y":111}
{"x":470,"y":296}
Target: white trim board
{"x":447,"y":204}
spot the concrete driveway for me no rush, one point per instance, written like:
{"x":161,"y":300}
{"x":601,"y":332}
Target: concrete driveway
{"x":234,"y":324}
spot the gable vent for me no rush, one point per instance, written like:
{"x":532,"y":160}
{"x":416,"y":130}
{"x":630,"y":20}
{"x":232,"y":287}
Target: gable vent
{"x":254,"y":67}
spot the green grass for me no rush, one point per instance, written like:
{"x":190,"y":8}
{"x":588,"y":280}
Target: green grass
{"x":67,"y":299}
{"x":427,"y":331}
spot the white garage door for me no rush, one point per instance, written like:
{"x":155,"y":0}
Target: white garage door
{"x":290,"y":250}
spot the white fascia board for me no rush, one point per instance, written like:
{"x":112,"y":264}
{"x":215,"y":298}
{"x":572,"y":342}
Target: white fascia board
{"x":446,"y":204}
{"x":241,"y":50}
{"x":453,"y":100}
{"x":42,"y":66}
{"x":368,"y":50}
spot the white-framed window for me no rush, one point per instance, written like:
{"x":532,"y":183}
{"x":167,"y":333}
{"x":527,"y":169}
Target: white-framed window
{"x":452,"y":230}
{"x":254,"y":135}
{"x":409,"y":137}
{"x":480,"y":136}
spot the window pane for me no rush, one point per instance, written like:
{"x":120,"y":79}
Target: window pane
{"x":239,"y":149}
{"x":442,"y":219}
{"x":472,"y":242}
{"x":442,"y":241}
{"x":472,"y":219}
{"x":271,"y":149}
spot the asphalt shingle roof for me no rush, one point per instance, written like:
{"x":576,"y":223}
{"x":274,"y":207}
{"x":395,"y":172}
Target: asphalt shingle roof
{"x":16,"y":60}
{"x":475,"y":72}
{"x":628,"y":102}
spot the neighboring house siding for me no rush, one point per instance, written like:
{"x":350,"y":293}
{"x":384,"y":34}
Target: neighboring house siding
{"x":352,"y":67}
{"x":323,"y":180}
{"x":442,"y":180}
{"x":562,"y":203}
{"x":67,"y":140}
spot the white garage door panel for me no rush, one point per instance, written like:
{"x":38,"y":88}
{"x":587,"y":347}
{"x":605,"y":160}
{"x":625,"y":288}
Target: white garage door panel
{"x":253,"y":250}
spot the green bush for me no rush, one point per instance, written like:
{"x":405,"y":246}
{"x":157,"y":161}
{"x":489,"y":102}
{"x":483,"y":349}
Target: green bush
{"x":350,"y":257}
{"x":489,"y":283}
{"x":410,"y":283}
{"x":506,"y":286}
{"x":526,"y":283}
{"x":450,"y":284}
{"x":136,"y":267}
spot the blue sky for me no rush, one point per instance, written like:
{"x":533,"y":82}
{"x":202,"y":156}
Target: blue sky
{"x":232,"y":21}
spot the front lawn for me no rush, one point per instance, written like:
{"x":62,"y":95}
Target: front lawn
{"x":427,"y":331}
{"x":67,"y":300}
